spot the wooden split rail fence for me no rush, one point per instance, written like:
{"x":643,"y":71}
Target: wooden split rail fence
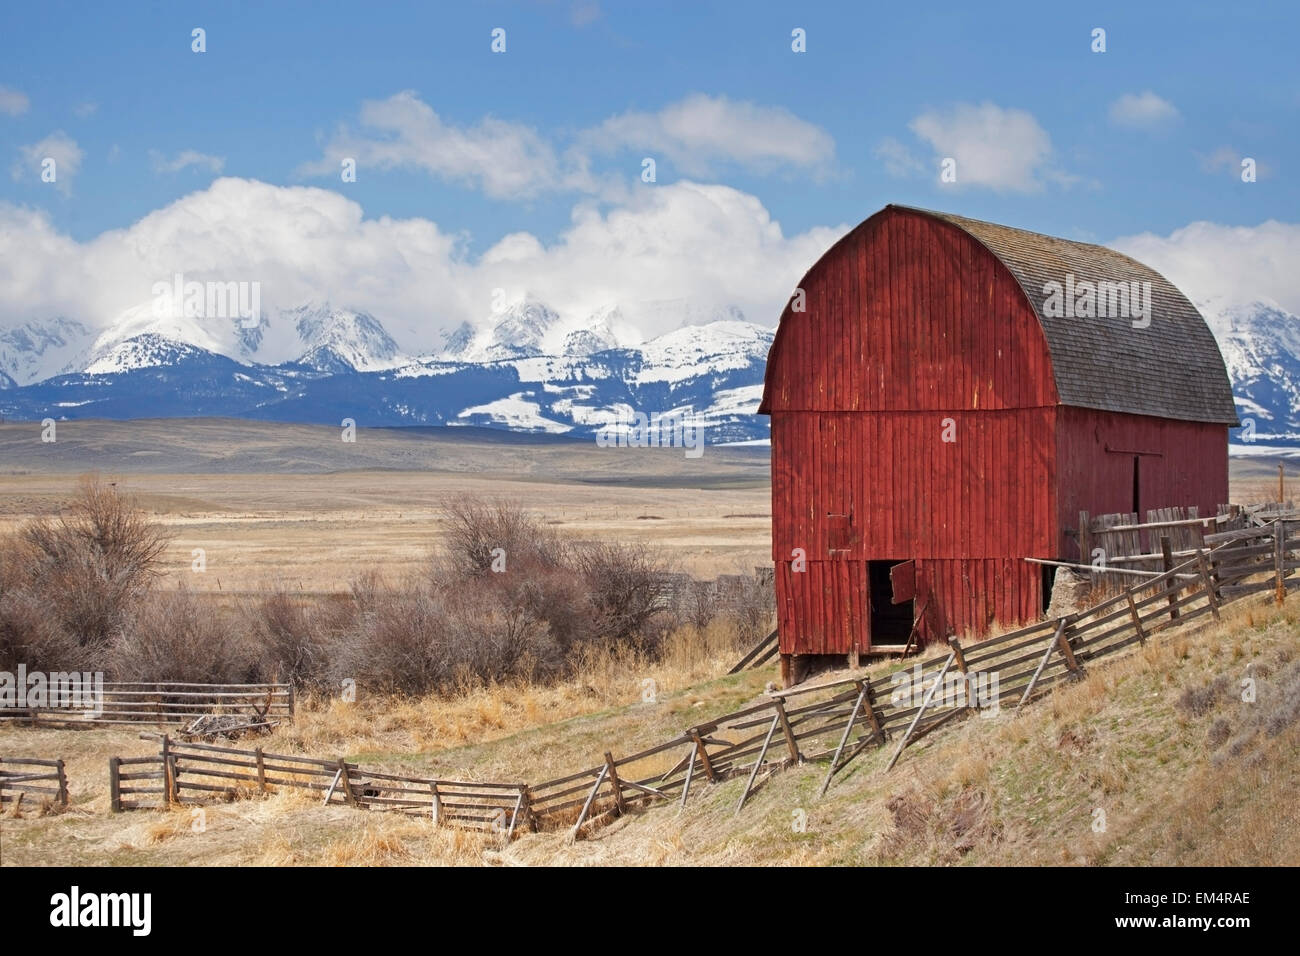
{"x":163,"y":703}
{"x":184,"y":772}
{"x":830,"y":723}
{"x":45,"y":779}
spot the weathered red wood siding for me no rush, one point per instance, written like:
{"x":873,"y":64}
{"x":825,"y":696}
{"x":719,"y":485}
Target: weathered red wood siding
{"x":909,"y":322}
{"x":1182,"y":463}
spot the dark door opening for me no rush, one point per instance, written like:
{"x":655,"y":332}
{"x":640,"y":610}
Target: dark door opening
{"x":1049,"y":579}
{"x":890,"y":623}
{"x":1137,"y":484}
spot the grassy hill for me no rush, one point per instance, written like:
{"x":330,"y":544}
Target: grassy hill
{"x":1153,"y":758}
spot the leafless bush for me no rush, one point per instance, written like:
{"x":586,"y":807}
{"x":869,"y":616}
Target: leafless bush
{"x":173,"y":636}
{"x":624,"y":585}
{"x":416,"y":640}
{"x":294,"y":637}
{"x":89,"y":564}
{"x":753,"y":608}
{"x":697,"y":603}
{"x":479,"y":530}
{"x":399,"y":645}
{"x":30,"y":635}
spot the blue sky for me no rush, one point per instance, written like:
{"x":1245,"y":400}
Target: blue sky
{"x":1146,"y":137}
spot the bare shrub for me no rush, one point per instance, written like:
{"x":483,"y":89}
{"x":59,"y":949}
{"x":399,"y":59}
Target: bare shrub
{"x":416,"y":640}
{"x":91,"y":562}
{"x":477,"y":527}
{"x":753,"y":608}
{"x":399,"y":645}
{"x":293,"y":637}
{"x":1199,"y":701}
{"x":697,"y":603}
{"x":30,"y":635}
{"x":173,"y":636}
{"x":624,"y":584}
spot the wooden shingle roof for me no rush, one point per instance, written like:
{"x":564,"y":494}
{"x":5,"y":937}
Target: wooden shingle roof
{"x":1172,"y":368}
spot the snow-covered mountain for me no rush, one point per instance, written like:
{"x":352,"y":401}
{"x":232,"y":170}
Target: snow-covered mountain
{"x":1260,"y":342}
{"x":317,"y":335}
{"x":528,"y":328}
{"x":338,"y":340}
{"x":527,"y":368}
{"x":39,"y":350}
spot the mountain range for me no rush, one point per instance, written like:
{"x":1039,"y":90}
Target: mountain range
{"x":527,"y":369}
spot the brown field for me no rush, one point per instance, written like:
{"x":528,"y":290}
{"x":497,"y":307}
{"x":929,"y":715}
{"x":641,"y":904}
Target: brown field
{"x":292,"y":513}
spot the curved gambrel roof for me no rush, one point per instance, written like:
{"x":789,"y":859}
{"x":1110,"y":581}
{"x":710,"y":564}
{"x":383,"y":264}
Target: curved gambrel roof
{"x":1171,"y":368}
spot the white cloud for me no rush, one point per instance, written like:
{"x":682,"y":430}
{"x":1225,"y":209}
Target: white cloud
{"x":700,"y":131}
{"x":1220,"y":264}
{"x":13,"y":102}
{"x":1144,"y":109}
{"x":504,"y":159}
{"x":1227,"y":159}
{"x":58,"y":146}
{"x":83,"y":110}
{"x":704,"y":244}
{"x":898,"y":159}
{"x":185,"y":159}
{"x":510,"y":160}
{"x":1000,"y":149}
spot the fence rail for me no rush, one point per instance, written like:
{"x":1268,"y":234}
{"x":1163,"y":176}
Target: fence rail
{"x":44,"y":778}
{"x":161,"y":703}
{"x":832,"y":722}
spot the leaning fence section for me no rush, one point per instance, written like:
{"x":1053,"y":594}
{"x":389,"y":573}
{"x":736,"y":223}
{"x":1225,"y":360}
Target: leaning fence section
{"x":187,"y":772}
{"x":33,"y":777}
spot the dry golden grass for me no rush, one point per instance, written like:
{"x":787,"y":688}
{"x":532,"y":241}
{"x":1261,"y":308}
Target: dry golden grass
{"x":1173,"y":785}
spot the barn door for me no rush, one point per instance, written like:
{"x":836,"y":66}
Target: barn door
{"x":892,"y":589}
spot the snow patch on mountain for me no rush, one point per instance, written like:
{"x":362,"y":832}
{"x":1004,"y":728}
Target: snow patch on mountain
{"x":514,"y":412}
{"x":1260,"y":343}
{"x":339,"y":339}
{"x":719,"y":346}
{"x":150,"y":350}
{"x":35,"y":351}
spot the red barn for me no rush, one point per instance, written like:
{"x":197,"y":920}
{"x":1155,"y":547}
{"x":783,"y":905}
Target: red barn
{"x":951,"y":394}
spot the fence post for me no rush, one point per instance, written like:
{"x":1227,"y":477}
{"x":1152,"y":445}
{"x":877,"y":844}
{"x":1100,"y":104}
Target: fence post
{"x":619,"y":802}
{"x":1067,"y":651}
{"x":1137,"y":620}
{"x":166,"y":769}
{"x":960,"y":660}
{"x":791,"y":745}
{"x":115,"y":784}
{"x":347,"y":782}
{"x":1279,"y":556}
{"x":436,"y":809}
{"x":261,"y":771}
{"x":63,"y":783}
{"x":1171,"y":586}
{"x":704,"y":755}
{"x":291,"y":699}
